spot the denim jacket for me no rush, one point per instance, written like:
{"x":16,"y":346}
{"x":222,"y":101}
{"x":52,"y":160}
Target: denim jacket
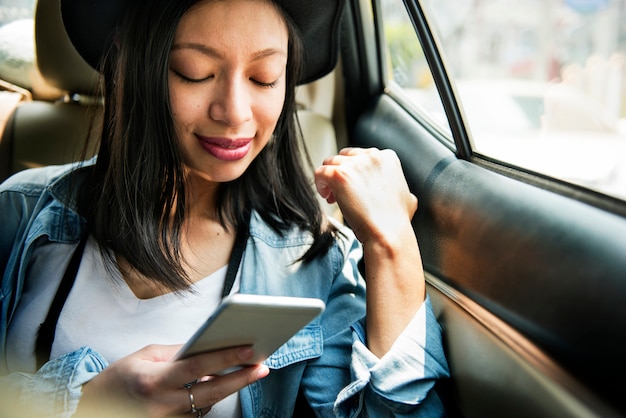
{"x":328,"y":359}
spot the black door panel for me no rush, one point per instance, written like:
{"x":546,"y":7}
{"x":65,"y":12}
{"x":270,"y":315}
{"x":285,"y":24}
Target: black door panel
{"x":549,"y":266}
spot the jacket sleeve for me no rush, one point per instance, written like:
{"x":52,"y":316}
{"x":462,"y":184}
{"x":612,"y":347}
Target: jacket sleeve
{"x":348,"y":380}
{"x":53,"y":391}
{"x":399,"y":383}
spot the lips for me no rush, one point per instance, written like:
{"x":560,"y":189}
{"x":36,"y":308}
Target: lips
{"x":226,"y":149}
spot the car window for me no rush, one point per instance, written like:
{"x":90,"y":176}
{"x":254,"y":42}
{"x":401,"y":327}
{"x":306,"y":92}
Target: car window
{"x":542,"y":83}
{"x":408,"y":75}
{"x":17,"y":47}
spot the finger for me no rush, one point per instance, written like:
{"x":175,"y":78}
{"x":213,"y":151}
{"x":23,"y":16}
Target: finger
{"x":206,"y":394}
{"x":195,"y":367}
{"x":337,"y":159}
{"x":321,"y":179}
{"x":159,"y":353}
{"x":324,"y":190}
{"x":349,"y":151}
{"x":413,"y":204}
{"x":346,"y":154}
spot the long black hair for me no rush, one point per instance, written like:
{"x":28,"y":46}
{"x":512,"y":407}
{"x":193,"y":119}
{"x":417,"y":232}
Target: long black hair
{"x":135,"y":198}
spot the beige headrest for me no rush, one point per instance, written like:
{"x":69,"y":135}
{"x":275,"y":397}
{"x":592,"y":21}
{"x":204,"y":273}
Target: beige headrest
{"x":59,"y":63}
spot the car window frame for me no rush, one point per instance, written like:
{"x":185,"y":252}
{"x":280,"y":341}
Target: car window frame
{"x":463,"y":145}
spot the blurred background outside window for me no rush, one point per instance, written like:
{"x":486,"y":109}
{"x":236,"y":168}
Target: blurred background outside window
{"x":542,"y":83}
{"x":17,"y":46}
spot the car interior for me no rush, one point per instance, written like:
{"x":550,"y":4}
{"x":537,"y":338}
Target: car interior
{"x":526,"y":273}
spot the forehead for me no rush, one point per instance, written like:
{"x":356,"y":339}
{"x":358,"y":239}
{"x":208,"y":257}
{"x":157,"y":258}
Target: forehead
{"x":236,"y":22}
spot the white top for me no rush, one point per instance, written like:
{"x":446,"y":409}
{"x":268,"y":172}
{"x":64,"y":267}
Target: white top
{"x":103,"y":313}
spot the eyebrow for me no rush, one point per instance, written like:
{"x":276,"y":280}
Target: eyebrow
{"x":211,"y":52}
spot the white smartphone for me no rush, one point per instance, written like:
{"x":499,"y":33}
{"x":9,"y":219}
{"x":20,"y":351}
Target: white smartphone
{"x":264,"y":322}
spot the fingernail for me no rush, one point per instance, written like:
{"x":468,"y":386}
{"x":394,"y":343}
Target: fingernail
{"x":245,"y":353}
{"x":263,"y":371}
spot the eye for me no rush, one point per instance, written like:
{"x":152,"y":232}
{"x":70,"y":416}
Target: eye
{"x":190,"y":79}
{"x":264,"y":85}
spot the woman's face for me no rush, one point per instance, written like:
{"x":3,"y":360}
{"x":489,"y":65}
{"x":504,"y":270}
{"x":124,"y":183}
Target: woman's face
{"x":227,"y":80}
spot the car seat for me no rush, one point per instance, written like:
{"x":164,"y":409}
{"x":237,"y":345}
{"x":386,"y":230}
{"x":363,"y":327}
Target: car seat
{"x":318,"y":114}
{"x":53,"y":130}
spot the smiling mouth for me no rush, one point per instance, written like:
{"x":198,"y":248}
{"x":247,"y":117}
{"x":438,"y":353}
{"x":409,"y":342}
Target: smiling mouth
{"x":226,"y":149}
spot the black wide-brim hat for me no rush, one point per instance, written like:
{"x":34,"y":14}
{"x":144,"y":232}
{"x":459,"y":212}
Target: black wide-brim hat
{"x":91,"y":23}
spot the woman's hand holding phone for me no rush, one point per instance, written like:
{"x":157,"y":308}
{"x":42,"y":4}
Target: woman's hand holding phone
{"x":152,"y":385}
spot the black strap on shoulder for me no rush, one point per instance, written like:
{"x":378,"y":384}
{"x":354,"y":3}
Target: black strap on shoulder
{"x":45,"y":337}
{"x":235,"y":258}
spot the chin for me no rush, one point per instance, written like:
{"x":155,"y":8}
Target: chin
{"x":217,"y":176}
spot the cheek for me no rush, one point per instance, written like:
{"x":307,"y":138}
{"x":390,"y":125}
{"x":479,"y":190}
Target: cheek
{"x":177,"y":98}
{"x":270,"y":110}
{"x":183,"y":108}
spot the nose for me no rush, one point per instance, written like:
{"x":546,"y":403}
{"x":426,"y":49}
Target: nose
{"x":231,"y":104}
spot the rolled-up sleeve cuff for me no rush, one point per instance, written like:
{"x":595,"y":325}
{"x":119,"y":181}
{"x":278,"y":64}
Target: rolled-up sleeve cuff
{"x":403,"y":377}
{"x":57,"y":386}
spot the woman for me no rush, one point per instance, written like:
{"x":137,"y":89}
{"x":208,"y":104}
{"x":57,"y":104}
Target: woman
{"x":198,"y":191}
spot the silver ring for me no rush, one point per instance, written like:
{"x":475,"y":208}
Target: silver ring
{"x":192,"y":401}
